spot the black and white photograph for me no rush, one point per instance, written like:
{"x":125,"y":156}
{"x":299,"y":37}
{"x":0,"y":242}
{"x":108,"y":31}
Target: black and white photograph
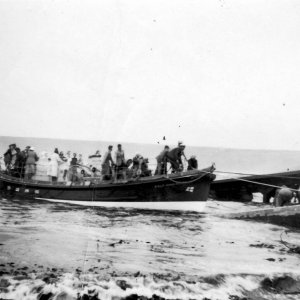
{"x":149,"y":150}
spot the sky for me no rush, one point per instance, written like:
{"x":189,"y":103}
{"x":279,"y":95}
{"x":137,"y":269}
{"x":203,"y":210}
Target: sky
{"x":212,"y":73}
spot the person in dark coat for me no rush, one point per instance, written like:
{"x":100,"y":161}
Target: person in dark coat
{"x":283,"y":196}
{"x":129,"y":171}
{"x":162,"y":162}
{"x":120,"y":167}
{"x":9,"y":156}
{"x":108,"y":164}
{"x":19,"y":164}
{"x":145,"y":171}
{"x":24,"y":155}
{"x":192,"y":163}
{"x":174,"y":157}
{"x":136,"y":165}
{"x":30,"y":165}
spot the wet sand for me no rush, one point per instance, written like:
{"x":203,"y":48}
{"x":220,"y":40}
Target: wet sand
{"x":60,"y":251}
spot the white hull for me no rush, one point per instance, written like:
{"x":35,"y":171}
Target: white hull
{"x":197,"y":206}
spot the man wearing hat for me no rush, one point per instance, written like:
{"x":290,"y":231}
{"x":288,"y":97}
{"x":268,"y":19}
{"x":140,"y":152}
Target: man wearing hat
{"x":30,"y":165}
{"x":25,"y":151}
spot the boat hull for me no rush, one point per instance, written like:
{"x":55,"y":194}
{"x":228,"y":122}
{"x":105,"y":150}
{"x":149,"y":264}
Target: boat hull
{"x":149,"y":193}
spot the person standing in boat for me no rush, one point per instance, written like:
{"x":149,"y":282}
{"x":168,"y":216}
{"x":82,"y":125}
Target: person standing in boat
{"x":62,"y":167}
{"x":25,"y":152}
{"x":25,"y":155}
{"x":180,"y":144}
{"x":53,"y":167}
{"x":162,"y":162}
{"x":7,"y":157}
{"x":13,"y":156}
{"x":120,"y":162}
{"x":73,"y":168}
{"x":107,"y":164}
{"x":19,"y":162}
{"x":30,"y":165}
{"x":66,"y":165}
{"x":174,"y":157}
{"x":10,"y":156}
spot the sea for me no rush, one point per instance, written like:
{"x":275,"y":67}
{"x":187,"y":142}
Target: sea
{"x":61,"y":251}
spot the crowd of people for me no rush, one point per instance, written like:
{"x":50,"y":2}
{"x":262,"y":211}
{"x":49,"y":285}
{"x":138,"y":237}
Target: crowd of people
{"x":20,"y":163}
{"x":112,"y":166}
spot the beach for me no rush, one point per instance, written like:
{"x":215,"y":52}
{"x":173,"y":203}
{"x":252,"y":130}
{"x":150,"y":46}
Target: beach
{"x":60,"y":251}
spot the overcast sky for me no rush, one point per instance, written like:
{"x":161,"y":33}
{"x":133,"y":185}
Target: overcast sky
{"x":212,"y":73}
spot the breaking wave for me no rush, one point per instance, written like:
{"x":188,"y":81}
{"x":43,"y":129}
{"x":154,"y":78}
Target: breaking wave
{"x":54,"y":285}
{"x":91,"y":286}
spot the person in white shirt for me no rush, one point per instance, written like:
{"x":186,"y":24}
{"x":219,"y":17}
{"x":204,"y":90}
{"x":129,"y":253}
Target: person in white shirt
{"x":66,"y":166}
{"x":54,"y":161}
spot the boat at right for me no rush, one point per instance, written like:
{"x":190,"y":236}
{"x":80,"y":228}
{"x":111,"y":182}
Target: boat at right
{"x":270,"y":198}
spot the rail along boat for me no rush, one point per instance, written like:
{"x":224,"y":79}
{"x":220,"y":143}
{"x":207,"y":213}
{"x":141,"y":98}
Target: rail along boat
{"x":179,"y":191}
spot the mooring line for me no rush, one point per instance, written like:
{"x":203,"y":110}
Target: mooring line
{"x":264,"y":184}
{"x":248,"y":174}
{"x":259,"y":183}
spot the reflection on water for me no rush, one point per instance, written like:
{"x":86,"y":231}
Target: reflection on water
{"x":63,"y":250}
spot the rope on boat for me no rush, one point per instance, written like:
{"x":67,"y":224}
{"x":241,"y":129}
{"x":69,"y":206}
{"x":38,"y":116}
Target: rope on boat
{"x":264,"y":184}
{"x":211,"y":170}
{"x":188,"y":182}
{"x":259,"y":183}
{"x":269,"y":175}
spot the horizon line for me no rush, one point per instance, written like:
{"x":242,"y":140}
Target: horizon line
{"x":143,"y":143}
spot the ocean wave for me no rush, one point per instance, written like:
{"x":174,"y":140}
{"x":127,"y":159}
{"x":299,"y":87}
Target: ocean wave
{"x":88,"y":286}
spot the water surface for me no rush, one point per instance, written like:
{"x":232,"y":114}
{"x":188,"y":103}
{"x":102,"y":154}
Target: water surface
{"x":62,"y":250}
